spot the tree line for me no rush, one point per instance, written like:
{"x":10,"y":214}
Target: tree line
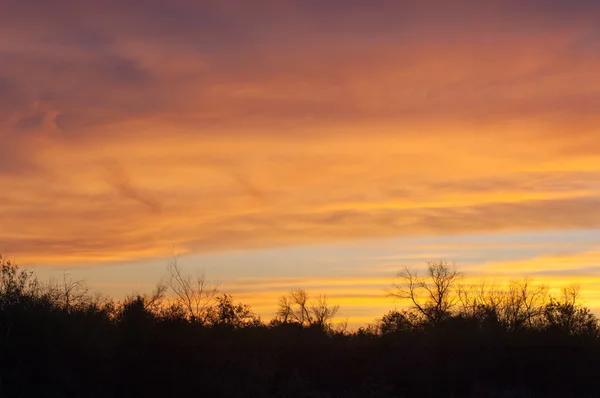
{"x":186,"y":337}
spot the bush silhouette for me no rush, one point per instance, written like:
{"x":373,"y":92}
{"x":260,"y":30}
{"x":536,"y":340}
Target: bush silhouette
{"x":58,"y":341}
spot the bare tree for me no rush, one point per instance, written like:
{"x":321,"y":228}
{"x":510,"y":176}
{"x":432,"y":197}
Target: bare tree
{"x":519,"y":304}
{"x":68,"y":293}
{"x":571,"y":293}
{"x":285,"y":312}
{"x":432,"y":295}
{"x":568,"y":316}
{"x":523,"y":304}
{"x":321,"y":312}
{"x":155,"y":300}
{"x":342,"y":327}
{"x":194,"y":294}
{"x":298,"y":308}
{"x":74,"y":292}
{"x":299,"y":297}
{"x":294,"y":308}
{"x":480,"y":298}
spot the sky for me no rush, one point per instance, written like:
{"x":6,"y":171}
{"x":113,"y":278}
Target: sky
{"x":317,"y":144}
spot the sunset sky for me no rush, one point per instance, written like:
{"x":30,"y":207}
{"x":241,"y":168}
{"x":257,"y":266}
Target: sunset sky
{"x":301,"y":143}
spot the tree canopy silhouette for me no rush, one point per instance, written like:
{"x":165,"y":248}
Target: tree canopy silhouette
{"x":57,"y":340}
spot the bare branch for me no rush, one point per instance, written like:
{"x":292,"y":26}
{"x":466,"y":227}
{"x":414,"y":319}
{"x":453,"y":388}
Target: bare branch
{"x":193,"y":294}
{"x":433,"y":295}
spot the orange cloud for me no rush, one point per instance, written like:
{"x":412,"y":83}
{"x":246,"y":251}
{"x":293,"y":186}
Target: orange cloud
{"x":211,"y":195}
{"x":236,"y":133}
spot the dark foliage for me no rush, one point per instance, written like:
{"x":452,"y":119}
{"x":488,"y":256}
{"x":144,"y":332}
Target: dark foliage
{"x":61,"y":342}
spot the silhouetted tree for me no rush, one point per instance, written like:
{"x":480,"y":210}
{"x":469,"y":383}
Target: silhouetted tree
{"x":321,"y":312}
{"x":433,"y":295}
{"x":227,"y":313}
{"x":398,"y":321}
{"x":141,"y":308}
{"x":523,"y":304}
{"x":68,"y":292}
{"x":568,"y":317}
{"x":16,"y":283}
{"x":480,"y":298}
{"x":193,"y":294}
{"x":298,"y":308}
{"x":294,"y":307}
{"x":498,"y":340}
